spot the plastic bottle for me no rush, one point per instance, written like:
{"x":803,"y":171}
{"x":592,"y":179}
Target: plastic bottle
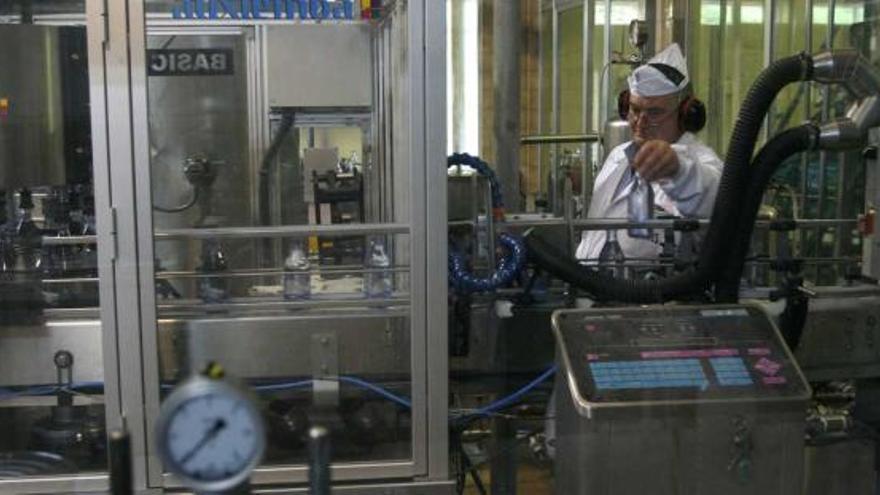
{"x":611,"y":258}
{"x":28,"y":238}
{"x":297,"y":280}
{"x":640,"y":206}
{"x":213,"y":289}
{"x":377,"y":278}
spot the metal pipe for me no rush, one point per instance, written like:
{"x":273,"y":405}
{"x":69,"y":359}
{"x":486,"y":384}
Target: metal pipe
{"x":541,"y":88}
{"x":73,"y":240}
{"x":606,"y":84}
{"x":475,"y":214}
{"x":659,"y":263}
{"x":282,"y":231}
{"x":490,"y":229}
{"x":62,"y":281}
{"x":568,"y":215}
{"x":587,"y":178}
{"x":458,"y":75}
{"x":826,"y":113}
{"x":588,"y":137}
{"x":506,"y":76}
{"x":319,"y":461}
{"x":257,"y":303}
{"x":716,"y":49}
{"x":808,"y":100}
{"x":556,"y":119}
{"x":119,"y":445}
{"x":264,"y":272}
{"x":838,"y":210}
{"x":770,"y":41}
{"x":622,"y":223}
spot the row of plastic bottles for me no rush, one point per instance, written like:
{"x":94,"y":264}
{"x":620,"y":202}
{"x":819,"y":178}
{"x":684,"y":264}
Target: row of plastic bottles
{"x":297,"y":277}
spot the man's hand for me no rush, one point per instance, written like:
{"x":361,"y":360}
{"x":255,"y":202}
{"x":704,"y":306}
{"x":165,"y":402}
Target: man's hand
{"x":656,"y":160}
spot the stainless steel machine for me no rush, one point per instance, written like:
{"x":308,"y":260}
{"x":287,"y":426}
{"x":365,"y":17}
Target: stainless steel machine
{"x":677,"y":400}
{"x":266,"y":193}
{"x":211,"y":234}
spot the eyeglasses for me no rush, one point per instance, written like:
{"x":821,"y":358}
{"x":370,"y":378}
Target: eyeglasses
{"x":653,"y":115}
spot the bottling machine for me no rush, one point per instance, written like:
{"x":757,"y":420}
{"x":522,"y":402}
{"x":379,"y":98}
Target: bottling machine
{"x":273,"y":214}
{"x":258,"y":184}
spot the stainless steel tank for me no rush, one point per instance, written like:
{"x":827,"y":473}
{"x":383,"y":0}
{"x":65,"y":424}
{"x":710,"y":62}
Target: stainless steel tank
{"x":616,"y":133}
{"x":31,"y":107}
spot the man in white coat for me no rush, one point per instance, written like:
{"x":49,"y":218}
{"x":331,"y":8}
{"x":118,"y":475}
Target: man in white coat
{"x":683,"y":172}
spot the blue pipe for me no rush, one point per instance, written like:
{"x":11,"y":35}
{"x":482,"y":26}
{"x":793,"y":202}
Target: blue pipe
{"x":486,"y":410}
{"x":483,"y":169}
{"x":460,"y":279}
{"x":465,"y":282}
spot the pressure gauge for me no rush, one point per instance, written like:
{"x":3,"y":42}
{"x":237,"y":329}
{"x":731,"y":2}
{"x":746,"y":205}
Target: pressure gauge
{"x":210,"y":434}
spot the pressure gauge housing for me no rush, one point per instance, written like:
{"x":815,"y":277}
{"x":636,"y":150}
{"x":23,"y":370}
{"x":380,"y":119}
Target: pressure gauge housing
{"x":210,"y":434}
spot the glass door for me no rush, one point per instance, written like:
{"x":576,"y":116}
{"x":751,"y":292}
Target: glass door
{"x":285,"y":235}
{"x":58,"y":363}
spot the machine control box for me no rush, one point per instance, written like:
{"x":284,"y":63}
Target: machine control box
{"x":675,"y":354}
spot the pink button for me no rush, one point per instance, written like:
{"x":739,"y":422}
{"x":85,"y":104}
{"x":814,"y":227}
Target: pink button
{"x":592,"y":357}
{"x":689,"y":353}
{"x":767,"y":366}
{"x":774,"y":380}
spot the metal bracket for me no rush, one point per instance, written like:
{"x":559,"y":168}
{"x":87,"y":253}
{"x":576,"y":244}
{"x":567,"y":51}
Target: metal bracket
{"x":114,"y":234}
{"x":325,"y":370}
{"x":105,"y":14}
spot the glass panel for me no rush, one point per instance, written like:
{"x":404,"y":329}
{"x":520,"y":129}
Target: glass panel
{"x":578,"y":160}
{"x":567,"y":159}
{"x":725,"y":54}
{"x":820,"y":185}
{"x":281,"y":208}
{"x":52,"y":419}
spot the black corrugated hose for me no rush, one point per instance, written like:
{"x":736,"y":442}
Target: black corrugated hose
{"x":769,"y":160}
{"x":725,"y":216}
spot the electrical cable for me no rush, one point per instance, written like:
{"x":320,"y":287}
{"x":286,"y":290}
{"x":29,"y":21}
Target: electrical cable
{"x":376,"y":389}
{"x":511,"y":399}
{"x":180,"y":209}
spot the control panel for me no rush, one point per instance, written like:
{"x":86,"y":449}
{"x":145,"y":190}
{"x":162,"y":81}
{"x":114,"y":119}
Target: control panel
{"x":676,"y":353}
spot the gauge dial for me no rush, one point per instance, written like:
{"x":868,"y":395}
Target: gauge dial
{"x":210,"y":434}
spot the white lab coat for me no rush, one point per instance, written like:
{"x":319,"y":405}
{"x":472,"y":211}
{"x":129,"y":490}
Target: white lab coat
{"x":689,"y":194}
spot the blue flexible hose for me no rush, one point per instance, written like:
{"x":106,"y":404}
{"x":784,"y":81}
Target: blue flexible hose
{"x":483,"y":169}
{"x":486,"y":410}
{"x":460,"y":279}
{"x":511,"y":399}
{"x":465,"y":282}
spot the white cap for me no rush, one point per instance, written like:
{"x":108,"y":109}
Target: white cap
{"x":664,"y":74}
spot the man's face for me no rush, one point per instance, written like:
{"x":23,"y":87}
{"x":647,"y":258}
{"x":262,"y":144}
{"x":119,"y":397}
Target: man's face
{"x":654,"y":117}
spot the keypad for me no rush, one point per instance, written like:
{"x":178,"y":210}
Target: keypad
{"x":731,"y":372}
{"x":649,"y":374}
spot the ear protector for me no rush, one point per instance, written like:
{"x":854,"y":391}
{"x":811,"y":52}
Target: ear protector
{"x":691,"y":111}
